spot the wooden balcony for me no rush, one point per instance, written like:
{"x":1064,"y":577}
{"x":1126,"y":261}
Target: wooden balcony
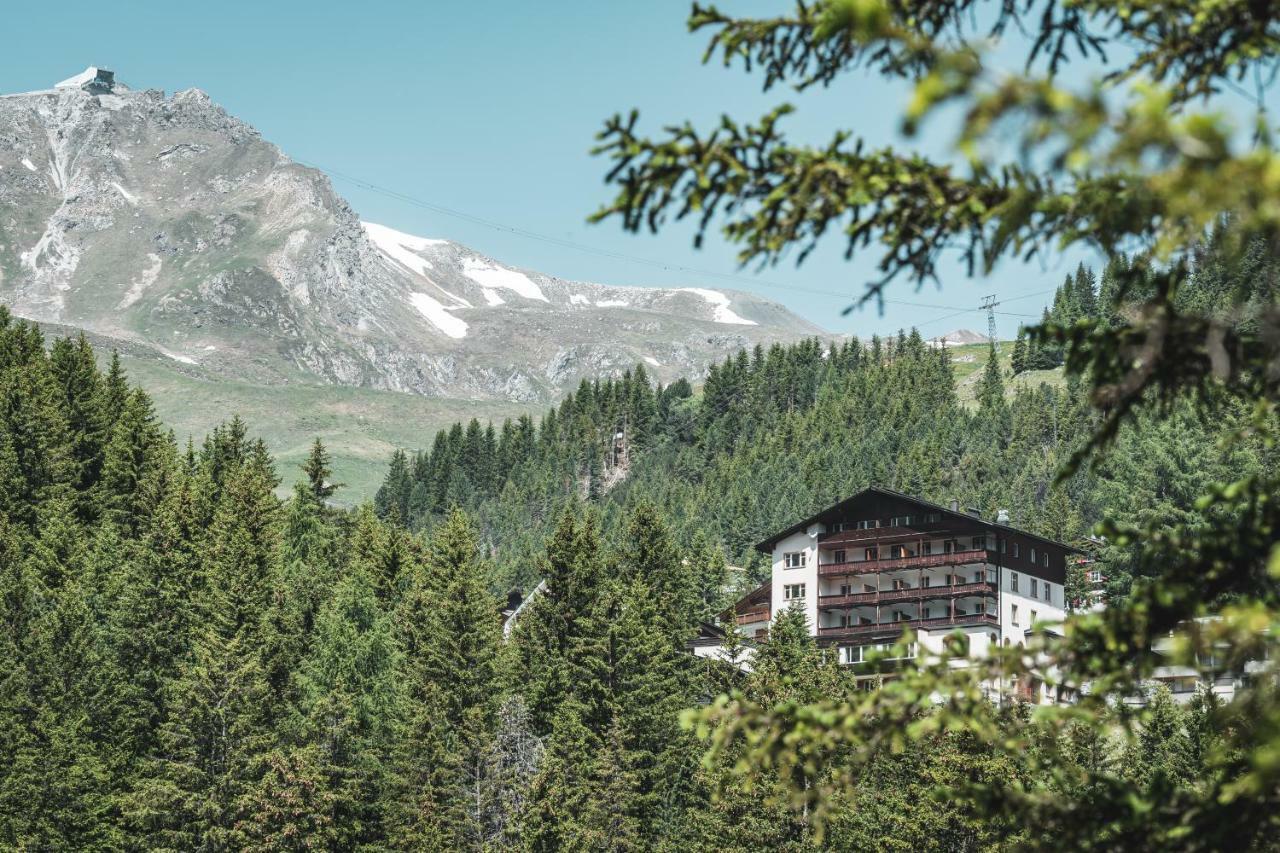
{"x":916,"y":624}
{"x":896,"y":596}
{"x":893,"y":564}
{"x":885,"y":534}
{"x":759,"y":614}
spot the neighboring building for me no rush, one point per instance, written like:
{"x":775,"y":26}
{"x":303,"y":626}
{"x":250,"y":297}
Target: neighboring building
{"x":1210,"y":674}
{"x":515,"y":607}
{"x":753,"y":612}
{"x":95,"y":80}
{"x":881,"y":561}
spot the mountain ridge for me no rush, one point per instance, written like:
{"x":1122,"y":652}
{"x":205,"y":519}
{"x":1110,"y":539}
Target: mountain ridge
{"x":167,"y":221}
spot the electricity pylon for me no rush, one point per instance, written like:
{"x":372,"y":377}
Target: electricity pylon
{"x":989,"y":305}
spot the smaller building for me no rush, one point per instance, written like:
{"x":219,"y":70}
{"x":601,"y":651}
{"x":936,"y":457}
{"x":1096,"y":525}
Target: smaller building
{"x":92,"y":79}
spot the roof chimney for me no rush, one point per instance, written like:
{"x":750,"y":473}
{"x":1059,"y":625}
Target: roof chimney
{"x":955,"y":505}
{"x":1002,"y":516}
{"x":976,"y":513}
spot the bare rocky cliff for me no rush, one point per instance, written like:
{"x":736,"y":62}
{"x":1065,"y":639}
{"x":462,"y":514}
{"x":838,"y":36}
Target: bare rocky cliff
{"x":164,"y":221}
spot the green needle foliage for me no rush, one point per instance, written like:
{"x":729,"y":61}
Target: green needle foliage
{"x":1141,"y":160}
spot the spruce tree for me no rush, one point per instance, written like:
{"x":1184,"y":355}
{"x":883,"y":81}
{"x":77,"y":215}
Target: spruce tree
{"x":316,"y":467}
{"x":451,"y":635}
{"x":350,"y":707}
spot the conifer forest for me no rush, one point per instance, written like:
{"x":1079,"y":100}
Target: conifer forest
{"x":203,"y":649}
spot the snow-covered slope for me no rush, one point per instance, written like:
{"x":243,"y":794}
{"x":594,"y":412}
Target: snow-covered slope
{"x":166,"y":221}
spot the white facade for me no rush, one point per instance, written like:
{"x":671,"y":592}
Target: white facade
{"x":1003,"y":607}
{"x":797,"y":583}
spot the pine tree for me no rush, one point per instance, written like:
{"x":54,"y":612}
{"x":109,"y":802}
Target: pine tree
{"x":649,"y":555}
{"x":134,"y":450}
{"x":556,"y":815}
{"x":557,"y":640}
{"x":1020,"y":352}
{"x":218,"y":724}
{"x":351,"y":700}
{"x":451,"y":636}
{"x":76,"y":373}
{"x":316,"y":467}
{"x":392,"y":499}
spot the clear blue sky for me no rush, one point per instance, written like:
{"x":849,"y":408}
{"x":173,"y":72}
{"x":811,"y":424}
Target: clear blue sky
{"x":490,"y":108}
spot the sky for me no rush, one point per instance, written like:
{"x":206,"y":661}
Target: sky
{"x":489,"y":109}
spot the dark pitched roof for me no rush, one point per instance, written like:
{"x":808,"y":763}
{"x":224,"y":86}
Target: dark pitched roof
{"x":766,"y":546}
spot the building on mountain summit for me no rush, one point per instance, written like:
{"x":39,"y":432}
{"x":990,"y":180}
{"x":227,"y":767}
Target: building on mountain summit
{"x":92,"y":79}
{"x":870,"y":566}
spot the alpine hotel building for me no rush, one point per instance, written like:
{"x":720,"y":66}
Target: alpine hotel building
{"x":880,"y":561}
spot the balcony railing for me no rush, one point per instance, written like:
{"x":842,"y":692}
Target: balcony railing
{"x":890,"y":564}
{"x":759,"y":614}
{"x":881,"y":534}
{"x":920,"y":593}
{"x":917,"y":624}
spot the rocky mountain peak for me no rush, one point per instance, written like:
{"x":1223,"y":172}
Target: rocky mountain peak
{"x":165,"y":221}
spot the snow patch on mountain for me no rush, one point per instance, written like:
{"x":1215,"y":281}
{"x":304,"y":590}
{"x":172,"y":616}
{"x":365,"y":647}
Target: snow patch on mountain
{"x":439,"y":316}
{"x":721,"y":312}
{"x":401,"y":247}
{"x":611,"y":303}
{"x":490,"y":275}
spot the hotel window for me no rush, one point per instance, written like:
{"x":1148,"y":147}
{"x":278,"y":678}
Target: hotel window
{"x":1044,"y":559}
{"x":1048,"y":592}
{"x":1016,"y":549}
{"x":1033,"y":617}
{"x":926,"y":548}
{"x":793,"y":591}
{"x":979,"y":543}
{"x":794,"y":559}
{"x":1004,"y":545}
{"x":840,"y":556}
{"x":947,"y":546}
{"x":868,"y":524}
{"x":933,"y":517}
{"x":871,"y":554}
{"x":977,"y":577}
{"x":897,"y":551}
{"x":1035,"y":588}
{"x":1013,"y":614}
{"x":926,"y":580}
{"x":1033,"y":556}
{"x":846,"y":589}
{"x":1013,"y":581}
{"x":850,"y":654}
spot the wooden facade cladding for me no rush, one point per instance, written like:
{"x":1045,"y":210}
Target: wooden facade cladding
{"x":896,"y":628}
{"x":877,"y":535}
{"x":924,"y":561}
{"x":896,"y":596}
